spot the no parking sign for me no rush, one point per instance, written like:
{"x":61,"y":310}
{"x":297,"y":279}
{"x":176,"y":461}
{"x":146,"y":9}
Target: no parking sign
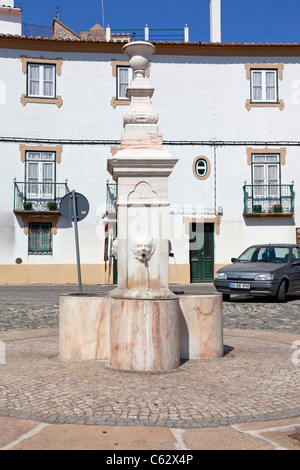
{"x":75,"y":207}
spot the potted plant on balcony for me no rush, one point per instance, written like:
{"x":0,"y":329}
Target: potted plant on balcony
{"x":257,"y":208}
{"x":52,"y":205}
{"x":27,"y":205}
{"x":277,"y":208}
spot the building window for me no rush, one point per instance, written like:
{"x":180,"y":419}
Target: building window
{"x":266,"y":175}
{"x":41,"y":80}
{"x":124,"y":77}
{"x":201,"y":167}
{"x":266,"y":195}
{"x":40,"y":239}
{"x":40,"y":174}
{"x":123,"y":74}
{"x":264,"y":88}
{"x":39,"y":177}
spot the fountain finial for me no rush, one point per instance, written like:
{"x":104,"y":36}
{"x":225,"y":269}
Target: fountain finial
{"x":140,"y":116}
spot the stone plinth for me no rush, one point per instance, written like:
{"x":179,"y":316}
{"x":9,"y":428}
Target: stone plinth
{"x":84,"y":327}
{"x":201,"y":326}
{"x":145,"y":334}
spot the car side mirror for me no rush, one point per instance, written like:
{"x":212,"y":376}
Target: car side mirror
{"x":233,"y":260}
{"x":296,"y":263}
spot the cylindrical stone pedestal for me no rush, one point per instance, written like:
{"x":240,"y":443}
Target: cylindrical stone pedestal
{"x":84,"y":327}
{"x":145,"y":334}
{"x":201,"y":326}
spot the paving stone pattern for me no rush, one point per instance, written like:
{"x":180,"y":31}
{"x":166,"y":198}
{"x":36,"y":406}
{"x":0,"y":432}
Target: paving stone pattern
{"x":38,"y":307}
{"x":255,"y":381}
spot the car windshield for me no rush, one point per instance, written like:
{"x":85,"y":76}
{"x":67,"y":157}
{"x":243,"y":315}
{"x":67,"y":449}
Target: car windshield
{"x":265,"y":254}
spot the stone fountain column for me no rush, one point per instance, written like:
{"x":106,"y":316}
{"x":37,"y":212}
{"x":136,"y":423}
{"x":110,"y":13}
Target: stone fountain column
{"x":145,"y":318}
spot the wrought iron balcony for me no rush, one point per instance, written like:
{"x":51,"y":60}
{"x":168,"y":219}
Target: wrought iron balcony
{"x":111,"y":197}
{"x":275,"y":199}
{"x":39,"y":197}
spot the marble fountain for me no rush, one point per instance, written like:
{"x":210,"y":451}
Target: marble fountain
{"x":141,"y":325}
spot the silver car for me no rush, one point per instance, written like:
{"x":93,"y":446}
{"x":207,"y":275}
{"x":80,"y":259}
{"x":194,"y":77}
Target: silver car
{"x":268,"y":270}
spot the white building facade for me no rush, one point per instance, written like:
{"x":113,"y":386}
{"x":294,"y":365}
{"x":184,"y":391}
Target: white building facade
{"x":229,"y":112}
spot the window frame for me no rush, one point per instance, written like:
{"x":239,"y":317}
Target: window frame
{"x":41,"y":80}
{"x":41,"y":98}
{"x":208,"y":167}
{"x":264,"y":86}
{"x":115,"y":101}
{"x":130,"y":77}
{"x":264,"y":67}
{"x":41,"y":195}
{"x":265,"y":166}
{"x":42,"y":252}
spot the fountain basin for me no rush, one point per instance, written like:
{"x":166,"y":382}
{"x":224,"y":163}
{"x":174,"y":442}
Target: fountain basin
{"x":141,"y":334}
{"x":145,"y":334}
{"x":84,"y":327}
{"x":201,"y":326}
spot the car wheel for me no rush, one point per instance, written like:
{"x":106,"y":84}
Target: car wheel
{"x":226,"y":297}
{"x":281,"y":293}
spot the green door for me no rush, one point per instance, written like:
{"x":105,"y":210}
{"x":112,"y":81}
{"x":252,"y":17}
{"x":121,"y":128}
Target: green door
{"x":202,"y":252}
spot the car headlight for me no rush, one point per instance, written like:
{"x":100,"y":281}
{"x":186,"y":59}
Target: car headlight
{"x":264,"y":277}
{"x":221,"y":276}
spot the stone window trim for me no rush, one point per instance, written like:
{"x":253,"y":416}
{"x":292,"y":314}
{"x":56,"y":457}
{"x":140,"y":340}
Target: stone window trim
{"x":57,"y":149}
{"x":39,"y":218}
{"x":123,"y":63}
{"x":263,"y":66}
{"x":41,"y":60}
{"x":208,"y":167}
{"x":251,"y":151}
{"x":204,"y":220}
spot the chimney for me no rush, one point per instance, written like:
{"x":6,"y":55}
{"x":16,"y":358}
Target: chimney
{"x":10,"y":18}
{"x":215,"y":20}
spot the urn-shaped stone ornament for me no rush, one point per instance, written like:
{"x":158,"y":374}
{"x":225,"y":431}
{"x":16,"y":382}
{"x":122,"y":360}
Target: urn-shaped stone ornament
{"x":139,"y":53}
{"x":140,"y":91}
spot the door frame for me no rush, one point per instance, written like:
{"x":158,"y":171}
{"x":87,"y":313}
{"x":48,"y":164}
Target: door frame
{"x":200,"y":256}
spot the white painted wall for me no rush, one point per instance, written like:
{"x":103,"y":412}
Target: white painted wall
{"x":197,"y":98}
{"x":10,"y":19}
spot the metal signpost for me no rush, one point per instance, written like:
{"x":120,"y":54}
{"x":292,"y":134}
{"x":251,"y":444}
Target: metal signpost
{"x":75,"y":207}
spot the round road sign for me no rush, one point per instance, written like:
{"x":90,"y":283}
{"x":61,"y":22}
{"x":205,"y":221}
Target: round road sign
{"x":81,"y":206}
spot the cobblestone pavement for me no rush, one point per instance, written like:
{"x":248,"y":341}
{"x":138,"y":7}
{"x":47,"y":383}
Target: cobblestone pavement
{"x":256,"y":380}
{"x":38,"y":307}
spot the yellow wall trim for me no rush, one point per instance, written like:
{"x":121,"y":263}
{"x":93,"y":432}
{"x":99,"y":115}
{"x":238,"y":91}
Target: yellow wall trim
{"x":92,"y":274}
{"x":67,"y":274}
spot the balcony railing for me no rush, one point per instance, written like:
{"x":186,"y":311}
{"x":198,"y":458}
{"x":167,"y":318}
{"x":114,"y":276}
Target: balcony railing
{"x":111,"y":197}
{"x":38,"y":196}
{"x":36,"y":30}
{"x":269,"y":199}
{"x":149,"y":34}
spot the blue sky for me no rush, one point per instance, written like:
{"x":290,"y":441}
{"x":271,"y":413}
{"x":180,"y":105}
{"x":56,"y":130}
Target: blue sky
{"x":242,"y":20}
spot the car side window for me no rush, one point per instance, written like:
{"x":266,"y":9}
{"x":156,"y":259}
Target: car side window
{"x":295,"y":254}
